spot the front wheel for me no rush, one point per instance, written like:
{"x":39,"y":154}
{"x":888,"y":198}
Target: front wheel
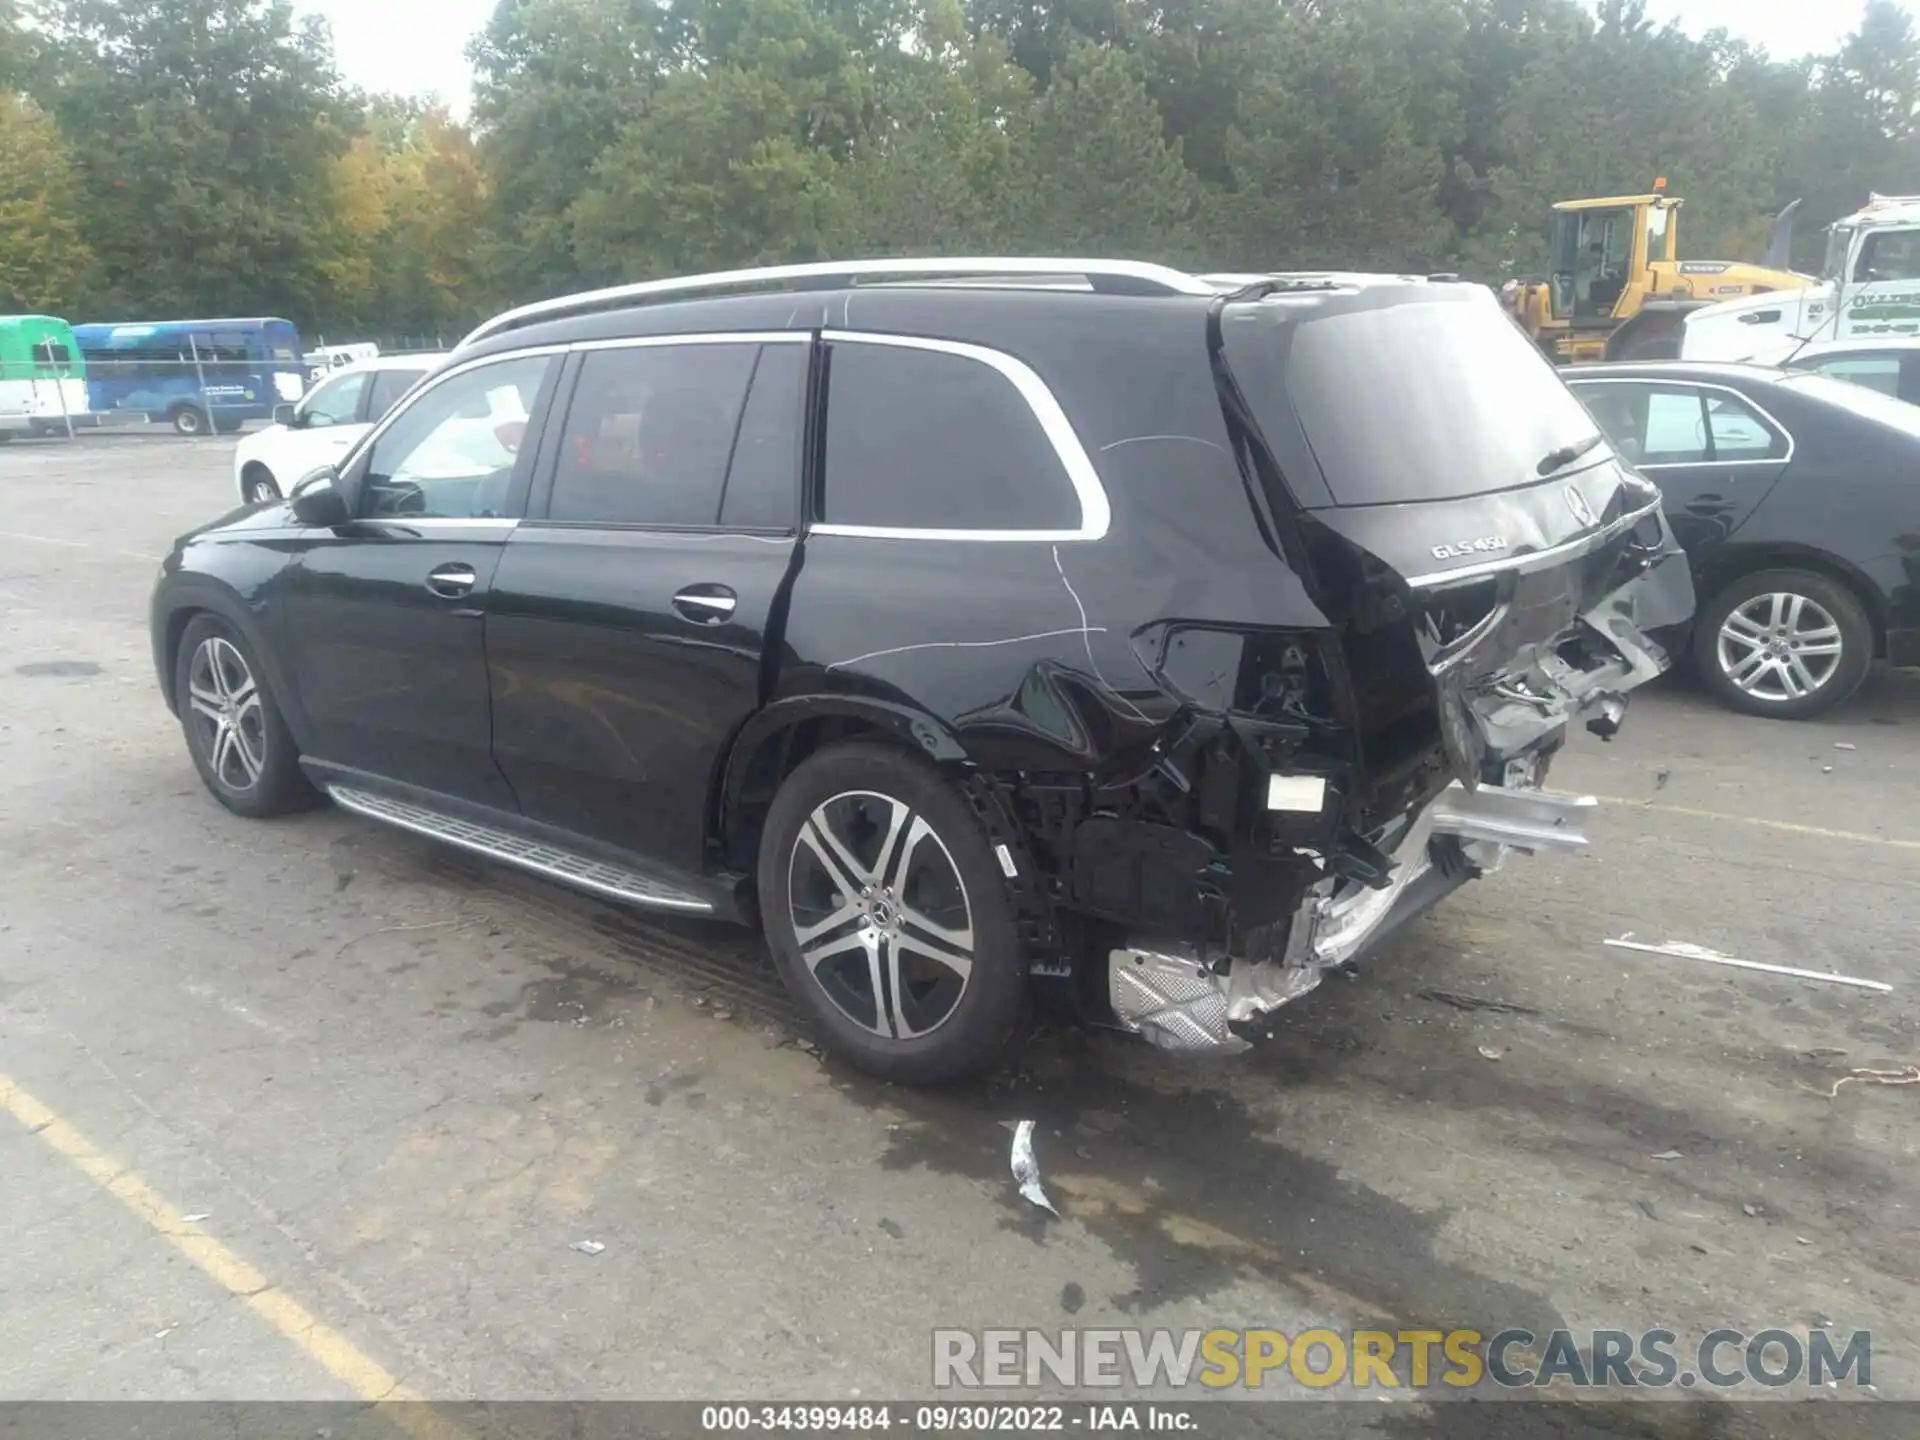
{"x":240,"y":744}
{"x":189,"y":420}
{"x":1783,"y":643}
{"x":888,"y":916}
{"x":257,"y":485}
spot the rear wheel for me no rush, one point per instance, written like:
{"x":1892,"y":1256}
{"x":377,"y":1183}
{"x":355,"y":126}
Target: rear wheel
{"x":240,"y":744}
{"x":888,"y":916}
{"x":1783,"y":643}
{"x":189,"y":420}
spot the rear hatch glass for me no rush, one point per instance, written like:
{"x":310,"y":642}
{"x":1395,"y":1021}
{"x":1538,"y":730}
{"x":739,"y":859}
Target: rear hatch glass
{"x":1406,"y":392}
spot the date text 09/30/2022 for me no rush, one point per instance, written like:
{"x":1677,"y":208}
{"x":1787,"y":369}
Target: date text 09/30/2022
{"x":946,"y":1419}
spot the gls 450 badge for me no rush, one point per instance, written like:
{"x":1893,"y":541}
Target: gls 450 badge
{"x":1462,"y":548}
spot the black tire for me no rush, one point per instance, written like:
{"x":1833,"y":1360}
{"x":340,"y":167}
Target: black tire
{"x":259,"y":484}
{"x":863,"y":782}
{"x":1792,"y":656}
{"x":228,"y":427}
{"x":188,"y":420}
{"x":262,"y":778}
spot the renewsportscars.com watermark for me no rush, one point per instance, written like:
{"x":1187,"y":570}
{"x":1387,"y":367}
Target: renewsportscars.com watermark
{"x":1513,"y":1359}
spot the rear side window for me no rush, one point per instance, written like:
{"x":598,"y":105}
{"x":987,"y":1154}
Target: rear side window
{"x":389,"y":386}
{"x":649,"y":434}
{"x":930,"y":440}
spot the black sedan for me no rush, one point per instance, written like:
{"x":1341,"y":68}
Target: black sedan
{"x":1797,"y":499}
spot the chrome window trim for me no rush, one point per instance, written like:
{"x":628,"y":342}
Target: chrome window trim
{"x":1096,"y":513}
{"x":1537,"y":559}
{"x":438,"y":523}
{"x":1573,"y":383}
{"x":704,"y":337}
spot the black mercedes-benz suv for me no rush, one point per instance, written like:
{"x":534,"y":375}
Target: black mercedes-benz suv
{"x":971,"y":626}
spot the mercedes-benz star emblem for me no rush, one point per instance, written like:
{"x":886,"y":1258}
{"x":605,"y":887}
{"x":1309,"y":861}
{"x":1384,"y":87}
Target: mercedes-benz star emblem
{"x":1577,"y":503}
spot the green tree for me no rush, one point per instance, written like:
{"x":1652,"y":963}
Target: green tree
{"x":1091,"y":169}
{"x":1341,"y":136}
{"x":202,"y":130}
{"x":932,"y":174}
{"x":555,"y":82}
{"x":43,"y":259}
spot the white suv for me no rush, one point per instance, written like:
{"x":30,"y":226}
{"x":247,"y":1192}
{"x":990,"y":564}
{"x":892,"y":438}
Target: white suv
{"x":322,"y":427}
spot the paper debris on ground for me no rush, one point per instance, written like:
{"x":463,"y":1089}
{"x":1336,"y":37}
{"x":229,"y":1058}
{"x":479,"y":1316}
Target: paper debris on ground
{"x":1685,"y":950}
{"x":1844,"y":745}
{"x":1026,"y":1169}
{"x":1865,"y":1075}
{"x":1669,"y":1155}
{"x":587,"y":1247}
{"x":1487,"y":1052}
{"x":196,"y":1219}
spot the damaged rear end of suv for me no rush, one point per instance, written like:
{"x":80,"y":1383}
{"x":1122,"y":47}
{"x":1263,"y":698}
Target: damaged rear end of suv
{"x":1479,"y":573}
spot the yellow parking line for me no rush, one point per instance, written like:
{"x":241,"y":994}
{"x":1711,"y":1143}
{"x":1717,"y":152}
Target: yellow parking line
{"x":331,"y":1350}
{"x":1817,"y":831}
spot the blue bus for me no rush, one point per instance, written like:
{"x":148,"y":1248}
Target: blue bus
{"x":194,"y":374}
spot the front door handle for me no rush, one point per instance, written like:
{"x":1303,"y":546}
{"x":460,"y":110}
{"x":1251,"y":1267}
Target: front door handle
{"x":706,"y":604}
{"x":452,"y":582}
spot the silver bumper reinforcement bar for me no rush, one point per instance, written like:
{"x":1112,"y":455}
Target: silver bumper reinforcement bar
{"x":1167,"y":993}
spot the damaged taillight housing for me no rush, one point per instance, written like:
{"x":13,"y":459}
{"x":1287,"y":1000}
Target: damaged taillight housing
{"x":1278,"y":746}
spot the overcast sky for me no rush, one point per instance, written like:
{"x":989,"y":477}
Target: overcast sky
{"x":425,"y":52}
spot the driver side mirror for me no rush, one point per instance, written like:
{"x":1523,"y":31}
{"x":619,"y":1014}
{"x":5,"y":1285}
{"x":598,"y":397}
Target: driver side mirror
{"x":286,"y":415}
{"x":318,"y":501}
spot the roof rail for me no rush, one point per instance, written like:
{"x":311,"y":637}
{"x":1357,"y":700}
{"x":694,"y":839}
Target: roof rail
{"x":1127,"y":277}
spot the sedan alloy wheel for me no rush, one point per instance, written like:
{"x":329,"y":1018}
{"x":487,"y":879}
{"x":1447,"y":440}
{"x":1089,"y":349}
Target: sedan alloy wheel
{"x":1779,"y":646}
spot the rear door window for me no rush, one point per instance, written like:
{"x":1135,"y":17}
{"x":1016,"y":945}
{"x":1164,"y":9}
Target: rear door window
{"x":1739,"y":432}
{"x":921,"y":439}
{"x":1656,"y":424}
{"x":650,"y":433}
{"x":388,"y":387}
{"x":763,"y":484}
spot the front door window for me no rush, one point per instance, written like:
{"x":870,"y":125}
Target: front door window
{"x":452,"y":451}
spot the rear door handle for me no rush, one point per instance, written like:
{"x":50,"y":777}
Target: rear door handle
{"x":706,"y":604}
{"x":452,"y":582}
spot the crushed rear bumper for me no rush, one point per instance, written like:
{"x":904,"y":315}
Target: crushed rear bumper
{"x":1508,"y":688}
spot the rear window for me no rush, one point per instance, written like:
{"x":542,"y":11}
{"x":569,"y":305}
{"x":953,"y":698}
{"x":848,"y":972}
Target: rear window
{"x":1423,"y":399}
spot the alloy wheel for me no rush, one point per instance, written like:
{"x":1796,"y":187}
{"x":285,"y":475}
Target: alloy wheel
{"x":1779,"y":646}
{"x":880,"y":914}
{"x":263,"y":490}
{"x":229,"y":722}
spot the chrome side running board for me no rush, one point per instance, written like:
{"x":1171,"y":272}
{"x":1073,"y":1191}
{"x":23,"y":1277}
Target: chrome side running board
{"x":1527,"y":820}
{"x":617,"y":882}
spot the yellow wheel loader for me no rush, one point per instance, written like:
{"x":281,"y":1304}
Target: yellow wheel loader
{"x":1615,"y":290}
